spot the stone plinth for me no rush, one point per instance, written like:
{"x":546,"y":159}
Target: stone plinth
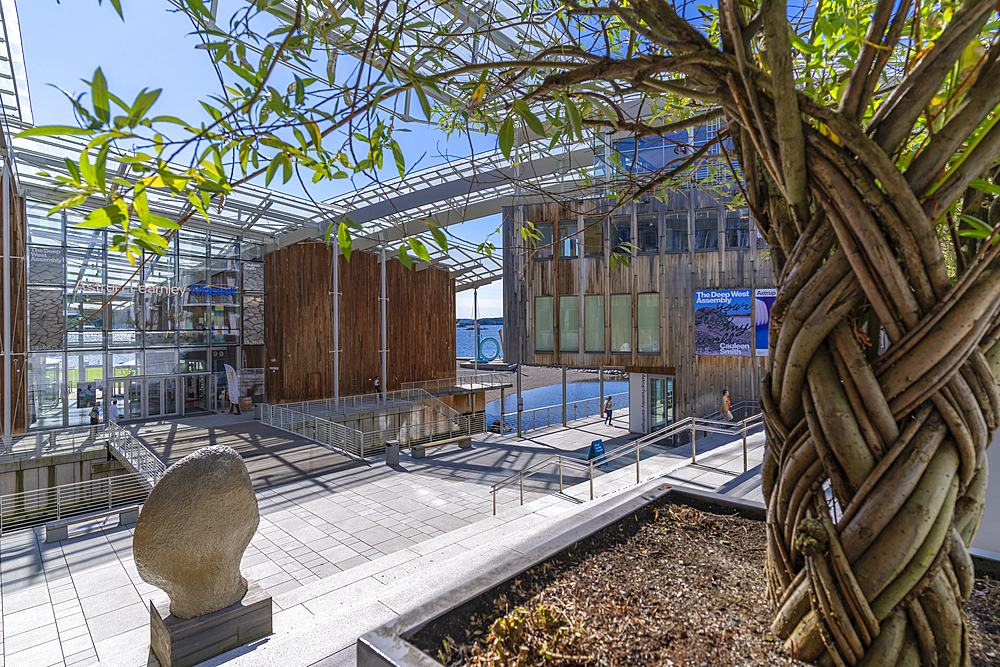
{"x":184,"y":642}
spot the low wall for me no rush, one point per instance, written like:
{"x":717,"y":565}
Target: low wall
{"x":48,"y":471}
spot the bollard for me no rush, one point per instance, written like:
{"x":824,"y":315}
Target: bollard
{"x":744,"y":449}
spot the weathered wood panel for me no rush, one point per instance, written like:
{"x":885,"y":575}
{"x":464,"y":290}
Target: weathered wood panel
{"x":299,"y":333}
{"x":17,"y":392}
{"x":675,"y":276}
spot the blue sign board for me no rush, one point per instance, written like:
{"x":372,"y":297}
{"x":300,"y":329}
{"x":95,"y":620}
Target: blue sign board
{"x":597,"y":452}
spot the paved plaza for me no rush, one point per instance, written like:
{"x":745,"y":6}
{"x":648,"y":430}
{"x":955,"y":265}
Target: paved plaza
{"x":81,"y":601}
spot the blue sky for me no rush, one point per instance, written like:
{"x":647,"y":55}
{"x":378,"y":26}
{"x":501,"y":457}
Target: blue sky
{"x":64,"y":43}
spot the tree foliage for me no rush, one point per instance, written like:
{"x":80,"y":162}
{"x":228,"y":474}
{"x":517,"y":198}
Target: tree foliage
{"x":868,"y":137}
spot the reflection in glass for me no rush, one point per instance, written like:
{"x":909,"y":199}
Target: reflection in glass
{"x":649,"y":234}
{"x":569,"y":324}
{"x":544,"y":339}
{"x":706,"y":229}
{"x":621,"y":323}
{"x":676,"y":231}
{"x":85,"y":320}
{"x":593,"y":237}
{"x":567,"y":239}
{"x":124,"y":364}
{"x":85,"y":381}
{"x":621,"y":234}
{"x":42,"y":229}
{"x":593,"y":323}
{"x":649,"y":323}
{"x":46,"y":387}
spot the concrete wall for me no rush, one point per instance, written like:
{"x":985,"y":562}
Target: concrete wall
{"x":49,"y":471}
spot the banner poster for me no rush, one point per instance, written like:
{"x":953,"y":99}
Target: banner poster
{"x":722,"y":324}
{"x":232,"y":384}
{"x":763,"y":299}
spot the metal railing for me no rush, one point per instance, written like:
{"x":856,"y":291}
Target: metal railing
{"x":135,"y":456}
{"x":372,"y":403}
{"x":470,"y":381}
{"x":332,"y":434}
{"x":425,"y":433}
{"x":54,"y":442}
{"x":363,"y":444}
{"x":692,"y":425}
{"x":34,"y":508}
{"x":552,"y":414}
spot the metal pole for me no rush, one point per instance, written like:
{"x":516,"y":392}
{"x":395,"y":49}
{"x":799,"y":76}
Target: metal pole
{"x":520,"y":404}
{"x":385,"y":334}
{"x":475,"y":320}
{"x":494,"y":502}
{"x":564,"y":397}
{"x":501,"y":411}
{"x":744,"y":449}
{"x":7,"y":346}
{"x":560,"y":475}
{"x":600,"y":375}
{"x":521,"y":482}
{"x":591,"y":480}
{"x":694,"y":434}
{"x":336,"y":322}
{"x":637,"y":464}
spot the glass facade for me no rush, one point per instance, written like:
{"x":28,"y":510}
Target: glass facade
{"x":93,"y":316}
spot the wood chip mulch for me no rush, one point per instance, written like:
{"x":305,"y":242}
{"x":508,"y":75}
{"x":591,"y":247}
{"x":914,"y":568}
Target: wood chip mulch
{"x":667,"y":587}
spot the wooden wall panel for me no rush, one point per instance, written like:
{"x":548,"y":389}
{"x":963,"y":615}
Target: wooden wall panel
{"x":675,"y":276}
{"x":299,"y":335}
{"x":17,"y":392}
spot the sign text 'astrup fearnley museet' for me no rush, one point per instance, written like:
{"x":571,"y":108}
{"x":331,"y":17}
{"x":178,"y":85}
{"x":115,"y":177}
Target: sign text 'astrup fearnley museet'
{"x":133,"y":286}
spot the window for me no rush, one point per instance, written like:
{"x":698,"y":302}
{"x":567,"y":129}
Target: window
{"x":543,"y":324}
{"x":649,"y":235}
{"x":738,"y":228}
{"x":567,"y":240}
{"x":542,"y":240}
{"x":593,"y":237}
{"x":676,"y":231}
{"x":706,"y":229}
{"x":569,"y":324}
{"x":42,"y":228}
{"x":649,"y":323}
{"x":593,"y":323}
{"x":621,"y":234}
{"x":621,"y":323}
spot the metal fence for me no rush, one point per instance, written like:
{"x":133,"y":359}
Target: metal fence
{"x":54,"y":442}
{"x":552,"y":414}
{"x":372,"y":403}
{"x":366,"y":444}
{"x":469,"y":381}
{"x":135,"y":456}
{"x":34,"y":508}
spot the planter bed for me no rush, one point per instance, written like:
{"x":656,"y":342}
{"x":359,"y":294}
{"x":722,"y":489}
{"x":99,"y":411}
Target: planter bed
{"x":669,"y":584}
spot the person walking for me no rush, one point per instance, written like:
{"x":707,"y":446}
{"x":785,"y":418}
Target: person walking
{"x":113,"y":411}
{"x":726,"y":408}
{"x":378,"y":387}
{"x":95,"y":420}
{"x":607,"y":411}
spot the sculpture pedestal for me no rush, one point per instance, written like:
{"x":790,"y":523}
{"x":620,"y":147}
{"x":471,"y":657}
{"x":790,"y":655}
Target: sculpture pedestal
{"x":181,"y":643}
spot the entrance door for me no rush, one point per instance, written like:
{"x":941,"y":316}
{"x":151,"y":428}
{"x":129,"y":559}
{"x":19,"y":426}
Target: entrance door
{"x":117,"y":393}
{"x":170,"y":396}
{"x":154,"y":397}
{"x":661,"y":402}
{"x":195,"y":393}
{"x":134,"y":400}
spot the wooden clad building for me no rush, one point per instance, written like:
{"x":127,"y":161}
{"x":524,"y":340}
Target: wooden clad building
{"x":14,"y":394}
{"x":299,"y":331}
{"x":563,"y":305}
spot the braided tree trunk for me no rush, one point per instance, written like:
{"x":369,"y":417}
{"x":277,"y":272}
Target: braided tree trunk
{"x":875,"y":469}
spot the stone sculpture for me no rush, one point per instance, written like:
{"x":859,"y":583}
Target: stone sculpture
{"x":193,"y":529}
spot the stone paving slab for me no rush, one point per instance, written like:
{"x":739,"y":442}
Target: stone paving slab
{"x":81,"y":600}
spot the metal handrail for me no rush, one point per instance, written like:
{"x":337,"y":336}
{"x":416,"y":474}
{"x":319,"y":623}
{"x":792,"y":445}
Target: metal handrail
{"x":488,"y":379}
{"x":34,"y":508}
{"x":53,"y":442}
{"x":619,"y":402}
{"x":357,"y":401}
{"x":692,"y":424}
{"x":136,"y":455}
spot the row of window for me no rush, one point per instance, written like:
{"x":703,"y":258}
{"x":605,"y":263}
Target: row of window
{"x":647,"y":312}
{"x":648,"y":237}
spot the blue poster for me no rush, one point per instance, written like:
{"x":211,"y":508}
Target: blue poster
{"x":722,"y":324}
{"x":763,"y":299}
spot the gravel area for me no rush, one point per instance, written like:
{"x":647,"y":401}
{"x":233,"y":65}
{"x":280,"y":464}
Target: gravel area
{"x":667,"y":587}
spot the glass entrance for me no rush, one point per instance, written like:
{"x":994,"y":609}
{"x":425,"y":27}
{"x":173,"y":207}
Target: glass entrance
{"x":661,"y":402}
{"x":195,"y":393}
{"x":133,"y":403}
{"x":170,"y":405}
{"x":146,"y":397}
